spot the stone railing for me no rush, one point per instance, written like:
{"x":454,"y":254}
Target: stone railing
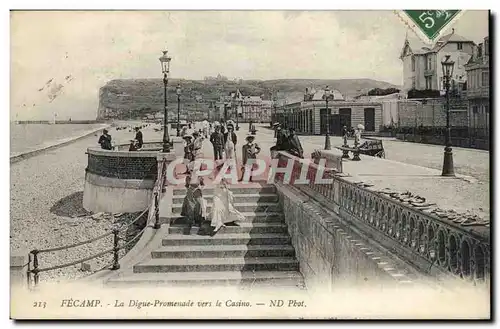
{"x":432,"y":244}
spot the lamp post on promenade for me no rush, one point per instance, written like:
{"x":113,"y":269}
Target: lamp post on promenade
{"x":178,"y":92}
{"x":327,"y":134}
{"x":448,"y":169}
{"x":238,"y":115}
{"x":165,"y":67}
{"x":275,"y":117}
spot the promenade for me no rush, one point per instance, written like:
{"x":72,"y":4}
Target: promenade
{"x":462,"y":194}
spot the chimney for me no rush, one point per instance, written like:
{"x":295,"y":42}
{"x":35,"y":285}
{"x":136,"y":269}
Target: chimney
{"x":486,"y":46}
{"x":480,"y":50}
{"x":306,"y":95}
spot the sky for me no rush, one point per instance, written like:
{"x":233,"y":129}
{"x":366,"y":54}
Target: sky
{"x":93,"y":47}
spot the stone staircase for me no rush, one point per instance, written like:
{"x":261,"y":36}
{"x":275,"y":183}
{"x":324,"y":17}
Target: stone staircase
{"x":258,"y":252}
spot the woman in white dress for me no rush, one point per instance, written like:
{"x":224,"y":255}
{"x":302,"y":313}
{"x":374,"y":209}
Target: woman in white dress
{"x":223,"y":210}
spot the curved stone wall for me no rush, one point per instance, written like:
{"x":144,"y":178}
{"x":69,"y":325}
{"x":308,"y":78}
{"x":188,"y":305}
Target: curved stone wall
{"x":119,"y":181}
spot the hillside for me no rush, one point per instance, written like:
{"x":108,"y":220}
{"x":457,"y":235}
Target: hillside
{"x":134,"y":96}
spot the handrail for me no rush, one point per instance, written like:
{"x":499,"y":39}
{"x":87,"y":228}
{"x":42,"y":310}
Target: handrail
{"x":422,"y":237}
{"x":35,"y":270}
{"x":153,"y":209}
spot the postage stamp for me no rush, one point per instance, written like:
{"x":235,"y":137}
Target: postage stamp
{"x":429,"y":25}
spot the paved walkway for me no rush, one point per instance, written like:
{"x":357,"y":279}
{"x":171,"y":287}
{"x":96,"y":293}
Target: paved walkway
{"x":458,"y":193}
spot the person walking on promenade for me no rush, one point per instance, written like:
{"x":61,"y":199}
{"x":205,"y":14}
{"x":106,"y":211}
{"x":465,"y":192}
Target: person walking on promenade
{"x":223,"y":210}
{"x":294,"y":146}
{"x":197,"y":148}
{"x":188,"y":153}
{"x":230,"y":140}
{"x":249,"y":153}
{"x":217,"y":140}
{"x":183,"y":131}
{"x":138,"y":137}
{"x":105,"y":140}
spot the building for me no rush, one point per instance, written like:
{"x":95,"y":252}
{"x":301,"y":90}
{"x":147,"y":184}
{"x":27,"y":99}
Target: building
{"x":309,"y":116}
{"x":478,"y":91}
{"x":422,"y":65}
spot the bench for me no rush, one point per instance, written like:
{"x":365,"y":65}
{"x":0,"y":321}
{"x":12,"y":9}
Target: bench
{"x":370,"y":147}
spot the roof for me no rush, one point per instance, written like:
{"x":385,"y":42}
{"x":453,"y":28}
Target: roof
{"x":337,"y":96}
{"x":417,"y":47}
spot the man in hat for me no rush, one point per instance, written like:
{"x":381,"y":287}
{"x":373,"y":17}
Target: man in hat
{"x":105,"y":140}
{"x":217,"y":140}
{"x":138,"y":137}
{"x":249,"y":154}
{"x":294,"y":146}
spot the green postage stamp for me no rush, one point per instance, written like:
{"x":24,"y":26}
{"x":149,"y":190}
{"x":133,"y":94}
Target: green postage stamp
{"x":429,"y":25}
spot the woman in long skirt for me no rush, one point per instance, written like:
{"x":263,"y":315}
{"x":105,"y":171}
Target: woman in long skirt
{"x":223,"y":210}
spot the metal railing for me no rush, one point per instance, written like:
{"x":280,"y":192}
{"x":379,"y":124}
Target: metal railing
{"x":34,"y":268}
{"x":458,"y":246}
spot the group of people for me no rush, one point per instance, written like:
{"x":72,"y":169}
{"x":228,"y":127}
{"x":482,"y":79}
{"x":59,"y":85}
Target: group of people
{"x":224,"y":141}
{"x":194,"y":206}
{"x":105,"y":140}
{"x":287,"y":140}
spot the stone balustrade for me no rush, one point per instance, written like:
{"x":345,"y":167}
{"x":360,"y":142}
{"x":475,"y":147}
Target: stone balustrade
{"x":431,"y":244}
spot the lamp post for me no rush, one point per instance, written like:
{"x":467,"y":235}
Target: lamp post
{"x":238,"y":115}
{"x":448,"y":169}
{"x":210,"y":107}
{"x":327,"y":134}
{"x":275,"y":116}
{"x":165,"y":67}
{"x":178,"y":92}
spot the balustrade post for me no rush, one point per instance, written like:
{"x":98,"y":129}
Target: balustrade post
{"x":36,"y":273}
{"x":116,"y":239}
{"x":157,"y":212}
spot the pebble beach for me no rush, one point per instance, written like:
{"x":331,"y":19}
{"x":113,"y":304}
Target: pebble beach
{"x":46,"y":207}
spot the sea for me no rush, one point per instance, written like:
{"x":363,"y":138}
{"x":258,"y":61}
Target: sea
{"x":27,"y":137}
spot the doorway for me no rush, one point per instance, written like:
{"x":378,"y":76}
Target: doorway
{"x":370,"y":119}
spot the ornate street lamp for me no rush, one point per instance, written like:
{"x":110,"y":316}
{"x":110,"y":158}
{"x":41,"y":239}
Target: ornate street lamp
{"x":178,"y":92}
{"x":275,"y":117}
{"x":238,"y":115}
{"x":165,"y":68}
{"x":448,"y":169}
{"x":327,"y":97}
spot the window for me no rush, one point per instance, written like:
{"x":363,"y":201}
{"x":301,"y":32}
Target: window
{"x":413,"y":63}
{"x":413,"y":83}
{"x":474,"y":109}
{"x":428,"y":82}
{"x":429,"y":62}
{"x":486,"y":109}
{"x":485,"y":78}
{"x":459,"y":46}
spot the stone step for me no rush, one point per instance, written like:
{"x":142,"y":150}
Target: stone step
{"x":217,"y":264}
{"x":226,"y":239}
{"x":238,"y":198}
{"x":236,"y":189}
{"x":250,"y":217}
{"x":241,"y":206}
{"x":241,"y":228}
{"x":226,"y":278}
{"x":223,"y":251}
